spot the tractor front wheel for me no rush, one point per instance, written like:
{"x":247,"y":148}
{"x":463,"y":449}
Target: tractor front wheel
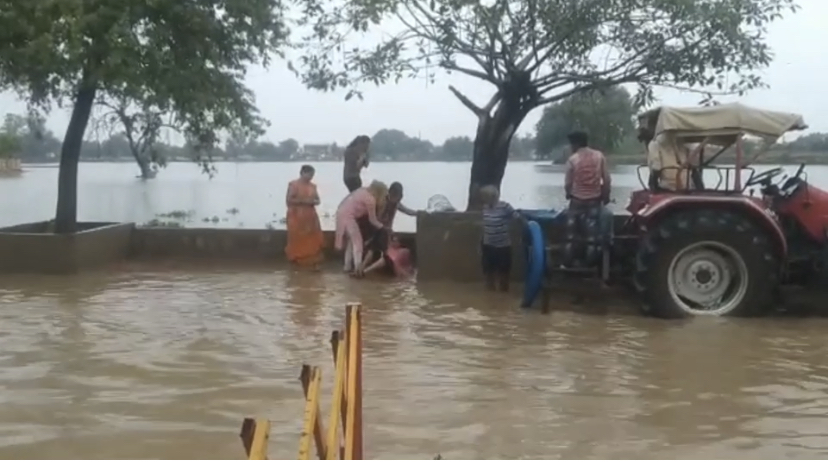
{"x":706,"y":262}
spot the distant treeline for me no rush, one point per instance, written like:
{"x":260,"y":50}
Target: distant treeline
{"x":28,"y":138}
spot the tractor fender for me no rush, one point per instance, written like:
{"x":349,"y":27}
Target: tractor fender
{"x":665,"y":205}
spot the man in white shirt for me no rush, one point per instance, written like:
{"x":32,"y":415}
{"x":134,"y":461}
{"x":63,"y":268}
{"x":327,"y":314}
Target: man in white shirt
{"x":670,"y":160}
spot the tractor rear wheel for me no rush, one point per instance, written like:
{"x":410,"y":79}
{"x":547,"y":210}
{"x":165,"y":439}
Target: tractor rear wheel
{"x":706,"y":262}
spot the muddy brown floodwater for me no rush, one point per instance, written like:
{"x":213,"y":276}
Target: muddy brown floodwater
{"x":146,"y":362}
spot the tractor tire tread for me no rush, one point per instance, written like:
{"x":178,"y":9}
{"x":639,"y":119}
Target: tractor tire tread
{"x":733,"y":228}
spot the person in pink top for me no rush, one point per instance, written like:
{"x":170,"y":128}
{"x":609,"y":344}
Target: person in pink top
{"x":363,"y":202}
{"x":587,"y":185}
{"x":587,"y":175}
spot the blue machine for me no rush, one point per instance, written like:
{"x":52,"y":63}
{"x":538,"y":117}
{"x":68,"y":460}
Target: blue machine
{"x":535,"y":251}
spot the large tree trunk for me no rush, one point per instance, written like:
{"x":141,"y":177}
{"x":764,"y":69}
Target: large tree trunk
{"x":66,"y":215}
{"x":147,"y":173}
{"x":491,"y":149}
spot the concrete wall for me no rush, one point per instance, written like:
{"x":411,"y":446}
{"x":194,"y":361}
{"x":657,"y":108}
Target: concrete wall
{"x":448,"y":247}
{"x":32,"y":248}
{"x":248,"y":244}
{"x":100,"y":246}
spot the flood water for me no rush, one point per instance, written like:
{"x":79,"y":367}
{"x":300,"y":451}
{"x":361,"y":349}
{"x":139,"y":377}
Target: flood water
{"x":163,"y":361}
{"x":252,"y":195}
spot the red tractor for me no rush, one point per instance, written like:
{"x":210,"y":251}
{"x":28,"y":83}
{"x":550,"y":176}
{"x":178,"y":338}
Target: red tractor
{"x":717,"y":250}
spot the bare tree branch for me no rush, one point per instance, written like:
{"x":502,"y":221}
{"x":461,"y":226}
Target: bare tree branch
{"x":467,"y":102}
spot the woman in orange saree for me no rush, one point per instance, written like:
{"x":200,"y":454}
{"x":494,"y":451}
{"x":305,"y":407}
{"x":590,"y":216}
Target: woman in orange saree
{"x":304,"y":233}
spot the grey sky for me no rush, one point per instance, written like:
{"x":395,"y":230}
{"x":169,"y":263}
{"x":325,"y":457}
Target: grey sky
{"x":795,"y":78}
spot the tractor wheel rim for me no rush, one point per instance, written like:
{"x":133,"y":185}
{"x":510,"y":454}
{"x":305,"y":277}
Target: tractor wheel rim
{"x":708,"y":278}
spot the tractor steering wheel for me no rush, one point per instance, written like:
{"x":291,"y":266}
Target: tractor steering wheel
{"x":764,"y":178}
{"x":799,"y":171}
{"x":788,"y":185}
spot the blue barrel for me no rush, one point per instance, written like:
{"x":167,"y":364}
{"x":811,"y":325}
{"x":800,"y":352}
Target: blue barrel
{"x":535,"y":251}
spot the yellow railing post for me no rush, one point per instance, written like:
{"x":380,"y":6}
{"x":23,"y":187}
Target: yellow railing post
{"x":353,"y":421}
{"x":254,"y":435}
{"x":332,"y":443}
{"x":311,"y":414}
{"x":346,"y":404}
{"x":318,"y":429}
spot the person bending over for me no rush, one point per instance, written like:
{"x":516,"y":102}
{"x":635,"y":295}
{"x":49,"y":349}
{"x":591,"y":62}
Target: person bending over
{"x":364,"y":202}
{"x":394,"y":204}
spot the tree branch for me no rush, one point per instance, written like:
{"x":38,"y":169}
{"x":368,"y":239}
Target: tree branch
{"x":492,"y":102}
{"x":467,"y":102}
{"x":470,"y":72}
{"x":422,"y":30}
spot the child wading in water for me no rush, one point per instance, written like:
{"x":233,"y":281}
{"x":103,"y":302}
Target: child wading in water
{"x":496,"y":246}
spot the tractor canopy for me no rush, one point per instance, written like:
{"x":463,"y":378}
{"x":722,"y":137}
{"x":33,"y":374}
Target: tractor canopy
{"x":722,"y":124}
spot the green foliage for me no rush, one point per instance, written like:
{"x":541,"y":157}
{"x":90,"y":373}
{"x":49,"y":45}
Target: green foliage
{"x":535,"y":52}
{"x":27,"y":137}
{"x":566,"y":47}
{"x":186,"y":57}
{"x":392,"y":143}
{"x":10,"y":136}
{"x":812,"y":142}
{"x":607,"y":116}
{"x":396,"y":145}
{"x":138,"y":128}
{"x":182,"y":57}
{"x":288,"y":148}
{"x":459,"y":148}
{"x":8,"y":145}
{"x":522,"y":147}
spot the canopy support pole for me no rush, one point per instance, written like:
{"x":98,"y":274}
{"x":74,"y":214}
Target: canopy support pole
{"x":738,"y":174}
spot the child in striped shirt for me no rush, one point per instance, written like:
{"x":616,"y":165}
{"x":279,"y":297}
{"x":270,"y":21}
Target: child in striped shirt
{"x":496,"y":245}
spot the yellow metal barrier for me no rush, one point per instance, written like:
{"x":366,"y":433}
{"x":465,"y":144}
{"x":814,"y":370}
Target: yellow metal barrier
{"x":346,"y":402}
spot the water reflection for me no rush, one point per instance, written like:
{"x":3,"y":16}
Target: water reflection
{"x":146,"y":363}
{"x":304,"y":297}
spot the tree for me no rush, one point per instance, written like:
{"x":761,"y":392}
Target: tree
{"x":9,"y":144}
{"x":288,"y":148}
{"x":522,"y":147}
{"x":812,"y":142}
{"x":141,"y":128}
{"x":394,"y":144}
{"x":33,"y":141}
{"x":458,"y":148}
{"x":607,"y":116}
{"x":535,"y":52}
{"x":389,"y":142}
{"x":185,"y":57}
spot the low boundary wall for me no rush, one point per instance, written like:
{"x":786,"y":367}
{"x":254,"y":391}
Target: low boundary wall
{"x":446,"y":246}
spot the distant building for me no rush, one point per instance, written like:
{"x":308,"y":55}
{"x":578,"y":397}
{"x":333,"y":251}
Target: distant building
{"x":316,"y":149}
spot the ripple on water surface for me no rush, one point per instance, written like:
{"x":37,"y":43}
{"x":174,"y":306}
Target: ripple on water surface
{"x":164,"y":364}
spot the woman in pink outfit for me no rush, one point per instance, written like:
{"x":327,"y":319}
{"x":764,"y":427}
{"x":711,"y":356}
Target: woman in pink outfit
{"x":360,"y":203}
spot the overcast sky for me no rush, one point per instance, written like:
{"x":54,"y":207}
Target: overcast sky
{"x":796,"y":80}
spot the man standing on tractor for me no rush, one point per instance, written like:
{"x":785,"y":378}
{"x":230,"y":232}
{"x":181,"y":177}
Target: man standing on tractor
{"x":587,"y":185}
